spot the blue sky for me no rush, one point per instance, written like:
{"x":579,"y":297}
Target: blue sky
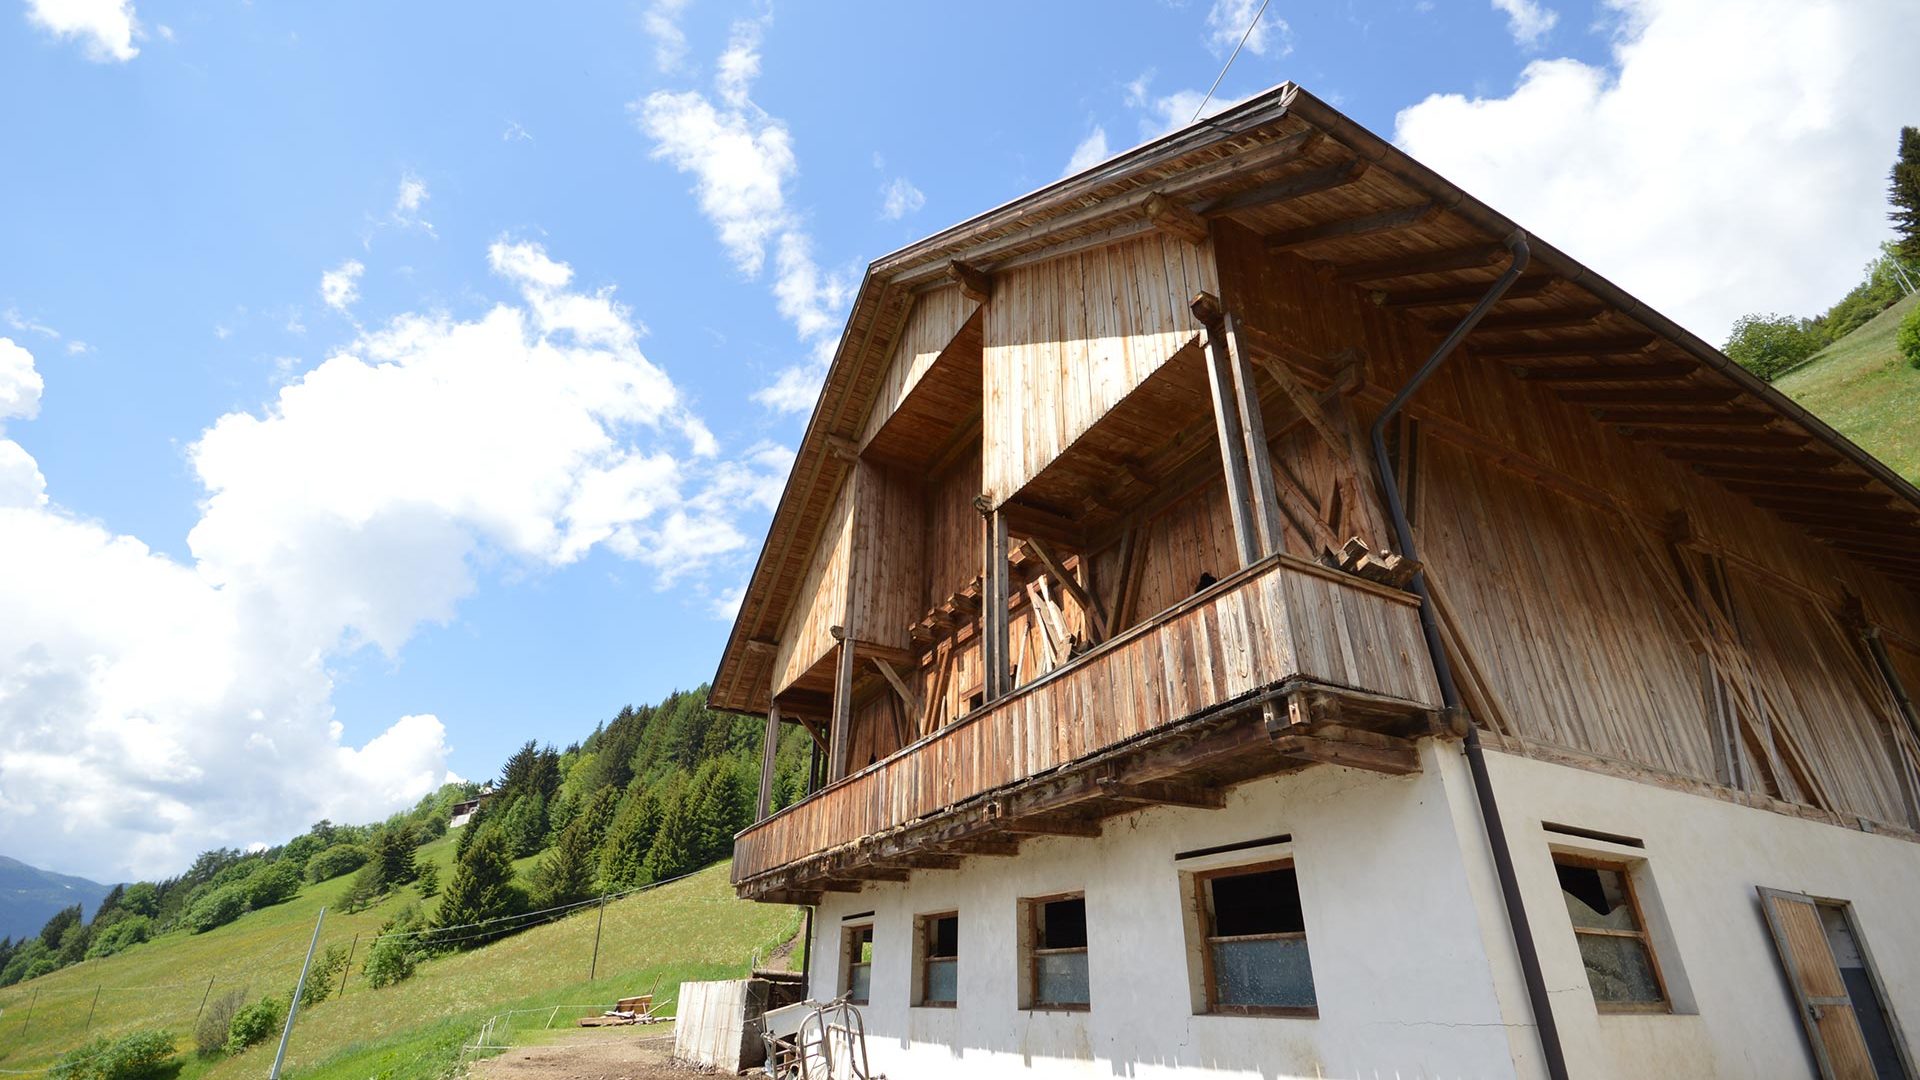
{"x":498,"y":532}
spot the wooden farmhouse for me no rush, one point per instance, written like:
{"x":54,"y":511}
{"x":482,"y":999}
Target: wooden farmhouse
{"x":1257,"y":611}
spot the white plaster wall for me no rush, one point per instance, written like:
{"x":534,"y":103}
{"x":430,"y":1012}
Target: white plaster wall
{"x":1704,"y":858}
{"x":1400,"y":956}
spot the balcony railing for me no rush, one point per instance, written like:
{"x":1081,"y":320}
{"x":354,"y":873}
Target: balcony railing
{"x":1280,"y":623}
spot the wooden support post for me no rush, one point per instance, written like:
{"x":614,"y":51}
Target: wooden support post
{"x":767,"y":750}
{"x":839,"y":736}
{"x":1226,"y":417}
{"x":995,"y":630}
{"x":1253,"y":428}
{"x":1095,"y":620}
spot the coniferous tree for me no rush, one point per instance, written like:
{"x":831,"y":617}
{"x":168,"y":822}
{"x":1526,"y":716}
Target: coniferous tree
{"x":393,"y":853}
{"x":1904,"y":193}
{"x":57,"y":926}
{"x":673,"y":852}
{"x":481,"y":890}
{"x":623,"y":853}
{"x":565,"y":874}
{"x":596,"y":816}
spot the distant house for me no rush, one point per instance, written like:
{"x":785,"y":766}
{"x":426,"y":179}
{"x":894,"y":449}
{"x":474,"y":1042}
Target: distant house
{"x":1095,"y":590}
{"x":463,"y":812}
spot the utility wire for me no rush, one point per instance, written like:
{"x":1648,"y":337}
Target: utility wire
{"x":1230,"y":59}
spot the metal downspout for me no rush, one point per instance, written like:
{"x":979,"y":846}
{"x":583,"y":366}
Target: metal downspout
{"x":1496,"y":833}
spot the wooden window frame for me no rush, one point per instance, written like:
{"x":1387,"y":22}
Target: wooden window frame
{"x":849,"y":953}
{"x":1625,"y":868}
{"x":1203,"y":907}
{"x":1031,"y":952}
{"x":924,"y":934}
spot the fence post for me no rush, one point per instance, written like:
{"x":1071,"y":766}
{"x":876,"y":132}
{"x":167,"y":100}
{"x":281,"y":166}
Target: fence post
{"x":348,"y":969}
{"x":30,"y":1004}
{"x":293,"y":1006}
{"x":203,"y":1001}
{"x":90,"y":1008}
{"x":594,"y":967}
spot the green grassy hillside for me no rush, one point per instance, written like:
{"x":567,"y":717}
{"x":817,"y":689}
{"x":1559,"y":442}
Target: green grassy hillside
{"x":689,"y":929}
{"x":1866,"y":391}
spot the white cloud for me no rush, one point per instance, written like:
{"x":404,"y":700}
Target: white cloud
{"x":741,"y":159}
{"x":662,"y":23}
{"x":76,"y":347}
{"x":1527,"y":20}
{"x":1091,"y":151}
{"x":515,"y":133}
{"x":1227,"y":20}
{"x":899,"y":197}
{"x":106,"y":28}
{"x":340,"y":286}
{"x":407,"y":203}
{"x":1731,"y":158}
{"x":150,"y":708}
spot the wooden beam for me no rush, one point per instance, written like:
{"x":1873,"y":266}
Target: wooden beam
{"x":1737,"y":437}
{"x":1653,"y":399}
{"x":1457,"y":295}
{"x":1758,"y":481}
{"x":1367,"y":225}
{"x":1553,"y":319}
{"x":761,"y":645}
{"x":1426,"y":262}
{"x":1164,"y":793}
{"x":1609,"y":345}
{"x":1226,"y":418}
{"x":841,"y":449}
{"x":996,"y":594}
{"x":768,"y":750}
{"x":1661,"y":371}
{"x":1802,"y":461}
{"x":975,"y":284}
{"x":899,"y":685}
{"x":1399,"y":760}
{"x":983,"y":846}
{"x":1072,"y":586}
{"x":838,"y":885}
{"x":1309,"y":182}
{"x":1174,"y":219}
{"x":1743,"y":418}
{"x":1253,"y":430}
{"x":839,"y":738}
{"x":1054,"y":826}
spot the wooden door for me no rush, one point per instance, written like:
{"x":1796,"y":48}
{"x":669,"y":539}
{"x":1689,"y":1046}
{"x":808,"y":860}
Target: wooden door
{"x":1826,"y":1010}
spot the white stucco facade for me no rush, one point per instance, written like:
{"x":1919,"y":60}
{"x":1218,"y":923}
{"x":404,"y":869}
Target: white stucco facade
{"x":1413,"y":966}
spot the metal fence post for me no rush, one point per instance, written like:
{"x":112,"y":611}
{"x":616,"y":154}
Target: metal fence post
{"x":90,"y":1008}
{"x":602,"y":921}
{"x":203,"y":1001}
{"x":348,"y":969}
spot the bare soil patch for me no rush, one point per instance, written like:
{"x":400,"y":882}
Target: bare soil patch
{"x":604,"y":1054}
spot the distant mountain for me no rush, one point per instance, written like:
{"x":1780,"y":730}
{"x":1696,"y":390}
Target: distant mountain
{"x":29,"y":896}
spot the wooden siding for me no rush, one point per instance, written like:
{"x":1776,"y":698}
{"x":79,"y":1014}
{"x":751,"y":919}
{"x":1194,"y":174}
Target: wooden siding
{"x":888,"y":542}
{"x":935,"y":318}
{"x":823,"y":591}
{"x":1066,"y":339}
{"x":955,"y":542}
{"x":1280,"y":619}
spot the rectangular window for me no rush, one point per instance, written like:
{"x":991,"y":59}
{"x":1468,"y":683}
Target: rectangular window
{"x":1055,"y":939}
{"x":856,"y":944}
{"x":939,"y":959}
{"x":1843,"y":1005}
{"x":1254,"y":947}
{"x":1612,"y":934}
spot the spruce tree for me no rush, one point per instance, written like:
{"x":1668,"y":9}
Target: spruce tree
{"x":623,"y":853}
{"x":673,"y":852}
{"x":393,"y":854}
{"x":565,"y":874}
{"x":482,"y":889}
{"x":1904,"y":193}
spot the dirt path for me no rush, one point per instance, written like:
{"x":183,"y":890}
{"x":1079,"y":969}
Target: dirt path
{"x":606,"y":1054}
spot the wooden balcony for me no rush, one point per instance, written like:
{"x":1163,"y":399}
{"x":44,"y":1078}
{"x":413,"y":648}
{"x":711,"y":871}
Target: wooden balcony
{"x":1282,"y":665}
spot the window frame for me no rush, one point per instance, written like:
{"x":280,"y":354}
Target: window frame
{"x":1203,"y":908}
{"x":1643,"y":934}
{"x":850,"y":942}
{"x":1032,"y":918}
{"x":925,"y":933}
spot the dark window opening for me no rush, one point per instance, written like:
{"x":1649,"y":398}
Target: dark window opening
{"x":1254,"y":951}
{"x":1063,"y":924}
{"x":1607,"y":925}
{"x":1055,"y":953}
{"x":939,"y":960}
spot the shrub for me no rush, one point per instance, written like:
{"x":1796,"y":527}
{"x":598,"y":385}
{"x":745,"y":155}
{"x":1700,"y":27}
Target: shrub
{"x":364,"y":890}
{"x":1908,"y":337}
{"x":398,"y":949}
{"x":216,"y":1020}
{"x":1770,"y":344}
{"x":216,"y":907}
{"x":254,"y":1023}
{"x":325,"y":972}
{"x":275,"y":885}
{"x":120,"y":936}
{"x":136,"y":1056}
{"x":336,"y":860}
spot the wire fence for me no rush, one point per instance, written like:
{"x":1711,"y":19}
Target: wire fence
{"x":38,"y":1023}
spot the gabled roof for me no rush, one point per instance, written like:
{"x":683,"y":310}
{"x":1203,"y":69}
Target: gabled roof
{"x":1307,"y":173}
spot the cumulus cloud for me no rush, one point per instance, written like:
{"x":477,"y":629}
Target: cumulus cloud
{"x":1227,"y":20}
{"x":150,"y":708}
{"x":741,"y":160}
{"x":408,"y":203}
{"x":21,"y":484}
{"x":105,"y":28}
{"x":898,"y":198}
{"x":340,"y":286}
{"x":1527,"y":20}
{"x":1091,"y":151}
{"x":662,"y":23}
{"x":1730,"y":158}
